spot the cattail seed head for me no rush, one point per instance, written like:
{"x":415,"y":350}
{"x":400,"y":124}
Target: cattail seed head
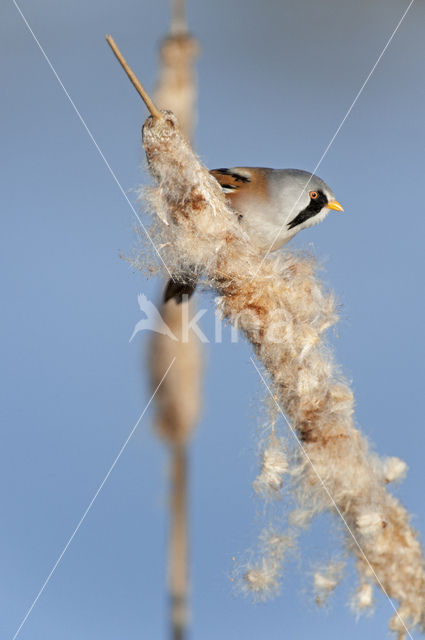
{"x":203,"y":233}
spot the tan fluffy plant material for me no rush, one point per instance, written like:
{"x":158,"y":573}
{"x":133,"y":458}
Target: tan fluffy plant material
{"x":326,"y":580}
{"x":263,"y":576}
{"x":363,"y":598}
{"x":284,"y":311}
{"x":273,"y":468}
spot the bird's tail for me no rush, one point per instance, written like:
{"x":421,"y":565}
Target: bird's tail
{"x":177,"y":290}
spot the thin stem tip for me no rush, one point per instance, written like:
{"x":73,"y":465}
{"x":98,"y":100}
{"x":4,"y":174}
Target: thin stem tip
{"x":135,"y":81}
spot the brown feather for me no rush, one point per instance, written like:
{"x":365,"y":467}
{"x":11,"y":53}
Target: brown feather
{"x":244,"y":182}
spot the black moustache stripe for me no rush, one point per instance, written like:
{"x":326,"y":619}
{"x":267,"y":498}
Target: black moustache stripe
{"x":314,"y":207}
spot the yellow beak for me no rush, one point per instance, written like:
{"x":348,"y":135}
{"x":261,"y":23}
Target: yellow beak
{"x":333,"y":204}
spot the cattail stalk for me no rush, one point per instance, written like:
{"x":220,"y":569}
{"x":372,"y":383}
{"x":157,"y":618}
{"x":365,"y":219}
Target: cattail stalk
{"x":178,"y":551}
{"x":284,"y":311}
{"x":178,"y":398}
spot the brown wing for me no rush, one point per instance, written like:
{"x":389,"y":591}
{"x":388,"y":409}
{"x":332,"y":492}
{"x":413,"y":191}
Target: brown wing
{"x":239,"y":183}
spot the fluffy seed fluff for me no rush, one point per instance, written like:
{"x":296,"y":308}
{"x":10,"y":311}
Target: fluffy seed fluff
{"x":363,"y":598}
{"x":281,"y":297}
{"x":262,"y":577}
{"x":326,"y":580}
{"x":274,"y":466}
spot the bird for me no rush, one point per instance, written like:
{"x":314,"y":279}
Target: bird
{"x":271,"y":205}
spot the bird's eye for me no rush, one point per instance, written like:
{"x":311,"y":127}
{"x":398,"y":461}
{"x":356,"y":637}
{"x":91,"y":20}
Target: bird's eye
{"x":314,"y":195}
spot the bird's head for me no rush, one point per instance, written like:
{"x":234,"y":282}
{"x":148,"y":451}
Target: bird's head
{"x":306,"y":199}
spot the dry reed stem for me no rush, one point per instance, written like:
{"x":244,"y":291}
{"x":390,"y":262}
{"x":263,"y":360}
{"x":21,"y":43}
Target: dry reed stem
{"x":178,"y":549}
{"x":178,"y":18}
{"x":283,"y":311}
{"x":134,"y":79}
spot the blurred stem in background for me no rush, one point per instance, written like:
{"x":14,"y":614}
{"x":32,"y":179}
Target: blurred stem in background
{"x":179,"y":397}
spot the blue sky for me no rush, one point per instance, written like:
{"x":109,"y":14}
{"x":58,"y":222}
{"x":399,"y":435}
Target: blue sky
{"x":275,"y":79}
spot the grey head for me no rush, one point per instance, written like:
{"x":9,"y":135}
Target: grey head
{"x":303,"y":198}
